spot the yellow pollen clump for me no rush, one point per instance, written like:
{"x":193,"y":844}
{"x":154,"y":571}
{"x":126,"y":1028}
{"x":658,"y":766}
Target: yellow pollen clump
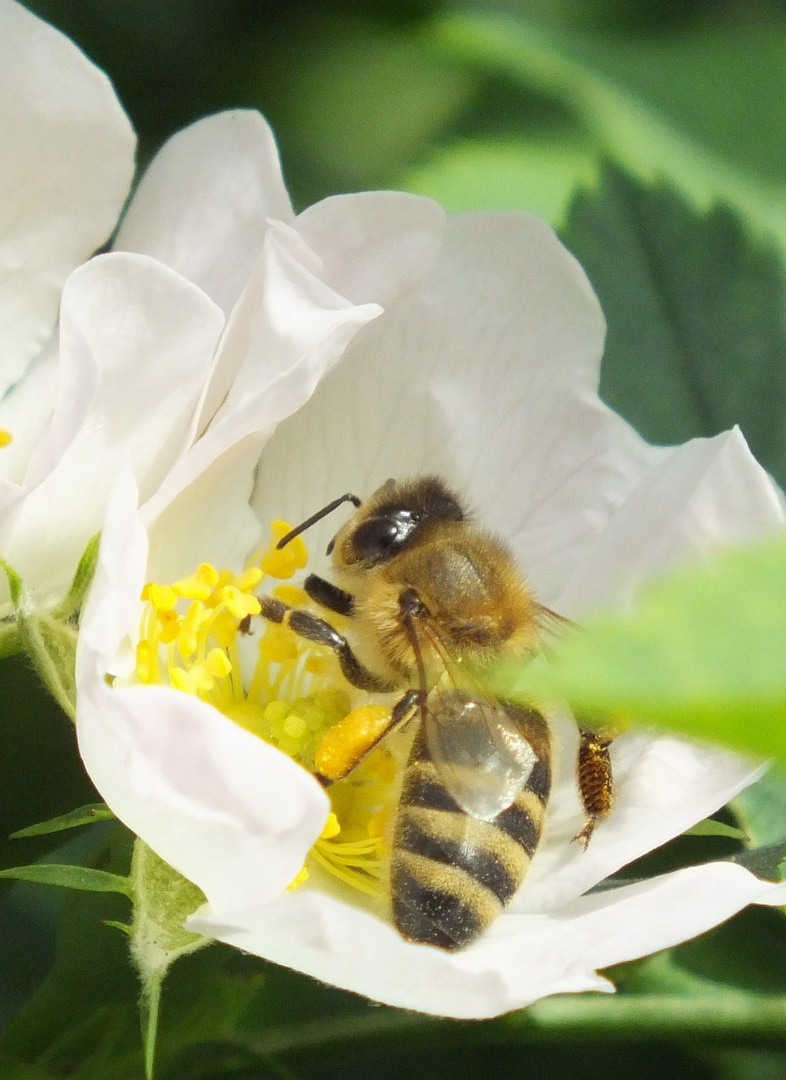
{"x":351,"y":738}
{"x":197,"y":635}
{"x":5,"y":437}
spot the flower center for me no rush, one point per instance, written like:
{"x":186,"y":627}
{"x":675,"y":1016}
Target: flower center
{"x":200,"y":636}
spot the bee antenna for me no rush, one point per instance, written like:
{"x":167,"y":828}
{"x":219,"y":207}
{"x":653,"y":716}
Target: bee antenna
{"x":317,"y":517}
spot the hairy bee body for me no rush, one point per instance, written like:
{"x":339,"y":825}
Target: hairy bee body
{"x":451,"y":873}
{"x":429,"y":595}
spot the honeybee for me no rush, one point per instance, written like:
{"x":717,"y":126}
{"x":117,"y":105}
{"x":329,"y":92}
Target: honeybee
{"x":430,"y":595}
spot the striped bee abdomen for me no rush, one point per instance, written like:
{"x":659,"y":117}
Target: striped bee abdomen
{"x":452,"y":874}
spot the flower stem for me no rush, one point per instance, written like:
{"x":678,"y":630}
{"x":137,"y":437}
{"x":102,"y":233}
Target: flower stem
{"x":725,"y":1016}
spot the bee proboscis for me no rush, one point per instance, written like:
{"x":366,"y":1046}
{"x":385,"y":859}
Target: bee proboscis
{"x":429,"y":596}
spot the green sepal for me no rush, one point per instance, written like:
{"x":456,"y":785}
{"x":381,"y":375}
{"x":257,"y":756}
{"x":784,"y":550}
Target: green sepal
{"x":71,"y":877}
{"x":767,"y":862}
{"x":86,"y":568}
{"x":83,"y":815}
{"x":50,"y":644}
{"x":163,"y":900}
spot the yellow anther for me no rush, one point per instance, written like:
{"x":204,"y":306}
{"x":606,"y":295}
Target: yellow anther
{"x":295,"y":726}
{"x":298,"y":879}
{"x":192,"y":588}
{"x":275,"y":712}
{"x":197,"y":680}
{"x":293,"y":595}
{"x":162,"y":597}
{"x":223,"y":629}
{"x":317,"y":665}
{"x":239,"y":603}
{"x":347,"y":741}
{"x":249,"y":579}
{"x":284,"y":562}
{"x":376,"y":826}
{"x":5,"y":437}
{"x":188,"y":638}
{"x":278,"y":644}
{"x":169,"y":626}
{"x":331,"y":829}
{"x":218,"y":663}
{"x":146,"y":661}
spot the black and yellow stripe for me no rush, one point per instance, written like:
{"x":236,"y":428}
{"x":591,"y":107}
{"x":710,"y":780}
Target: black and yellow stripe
{"x":451,"y":873}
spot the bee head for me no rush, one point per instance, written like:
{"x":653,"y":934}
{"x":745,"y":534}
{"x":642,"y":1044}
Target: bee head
{"x":389,"y":522}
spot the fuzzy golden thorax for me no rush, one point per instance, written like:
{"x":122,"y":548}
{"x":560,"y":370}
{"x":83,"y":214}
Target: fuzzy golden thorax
{"x":474,"y":603}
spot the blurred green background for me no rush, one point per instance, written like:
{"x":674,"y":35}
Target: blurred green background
{"x":521,"y":104}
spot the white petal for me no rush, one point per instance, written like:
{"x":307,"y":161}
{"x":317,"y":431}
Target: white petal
{"x":373,"y":244}
{"x":68,"y":161}
{"x":25,"y":411}
{"x":286,"y":330}
{"x":137,"y":341}
{"x":203,"y":204}
{"x":478,"y":375}
{"x":231,"y":813}
{"x":522,"y":957}
{"x":706,"y":493}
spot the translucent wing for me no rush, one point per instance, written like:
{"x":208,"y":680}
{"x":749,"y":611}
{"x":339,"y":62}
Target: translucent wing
{"x":482,"y":756}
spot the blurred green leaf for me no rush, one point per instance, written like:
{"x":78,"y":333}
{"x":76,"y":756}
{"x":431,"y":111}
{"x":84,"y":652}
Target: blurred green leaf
{"x":539,"y":175}
{"x":708,"y":827}
{"x":761,"y":810}
{"x":69,"y":877}
{"x":696,"y":311}
{"x":621,"y":126}
{"x":84,"y":815}
{"x":702,"y":654}
{"x":370,"y":97}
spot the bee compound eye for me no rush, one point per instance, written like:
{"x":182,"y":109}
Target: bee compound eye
{"x":380,"y":538}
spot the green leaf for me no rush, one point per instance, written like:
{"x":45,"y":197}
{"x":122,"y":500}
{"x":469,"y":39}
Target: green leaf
{"x":71,"y":877}
{"x":84,"y":815}
{"x":696,"y":311}
{"x":622,"y":126}
{"x":702,"y":654}
{"x":708,"y":827}
{"x":761,"y":810}
{"x":541,"y":175}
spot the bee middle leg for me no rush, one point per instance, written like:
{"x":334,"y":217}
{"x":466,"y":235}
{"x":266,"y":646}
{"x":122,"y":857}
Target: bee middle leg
{"x":312,"y":628}
{"x":595,"y":780}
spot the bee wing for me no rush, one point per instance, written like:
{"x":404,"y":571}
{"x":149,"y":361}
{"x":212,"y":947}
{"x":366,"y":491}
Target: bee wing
{"x":482,"y":756}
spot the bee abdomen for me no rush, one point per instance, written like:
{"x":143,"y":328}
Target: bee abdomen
{"x":451,"y":873}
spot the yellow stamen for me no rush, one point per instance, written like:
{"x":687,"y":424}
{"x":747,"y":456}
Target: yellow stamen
{"x":5,"y":437}
{"x":196,"y":636}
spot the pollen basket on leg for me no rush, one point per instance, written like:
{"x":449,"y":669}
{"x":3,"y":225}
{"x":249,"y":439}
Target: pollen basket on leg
{"x":205,"y":635}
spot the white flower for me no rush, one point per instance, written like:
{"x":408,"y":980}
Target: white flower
{"x":215,"y":297}
{"x":67,"y":164}
{"x":483,"y":369}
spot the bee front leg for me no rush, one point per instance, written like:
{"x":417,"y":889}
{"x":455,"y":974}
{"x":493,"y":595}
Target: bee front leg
{"x":595,"y":780}
{"x":312,"y":628}
{"x":329,"y":595}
